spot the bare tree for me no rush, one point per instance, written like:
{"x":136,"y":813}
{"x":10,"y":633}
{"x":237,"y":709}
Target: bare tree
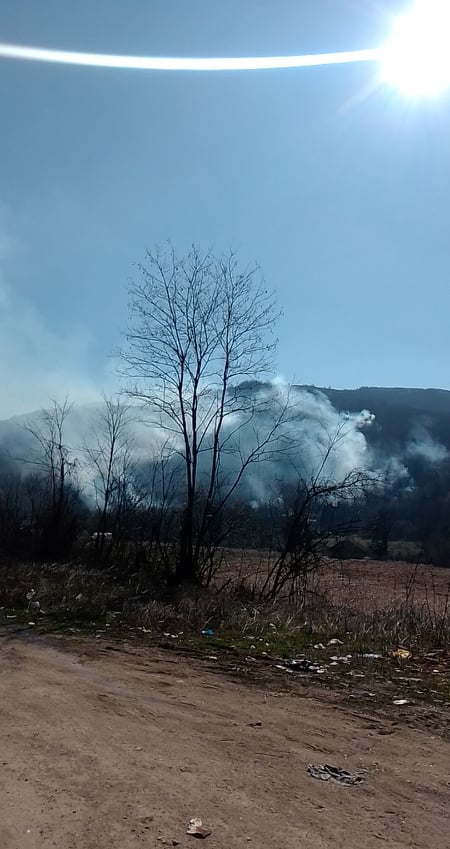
{"x":302,"y":535}
{"x":199,"y":327}
{"x":109,"y":455}
{"x":54,"y":462}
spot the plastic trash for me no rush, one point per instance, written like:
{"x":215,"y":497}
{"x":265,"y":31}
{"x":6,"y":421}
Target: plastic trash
{"x":401,"y":654}
{"x":345,"y":658}
{"x":372,"y":655}
{"x":334,"y":773}
{"x":335,"y":642}
{"x":301,"y":665}
{"x":400,"y":702}
{"x":207,"y":632}
{"x":196,"y":828}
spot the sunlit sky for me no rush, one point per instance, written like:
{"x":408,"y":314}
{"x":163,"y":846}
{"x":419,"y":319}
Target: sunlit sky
{"x":336,"y":185}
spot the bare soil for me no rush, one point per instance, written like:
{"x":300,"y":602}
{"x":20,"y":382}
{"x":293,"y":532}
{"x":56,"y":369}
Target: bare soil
{"x":371,"y":585}
{"x":364,"y":585}
{"x":107,"y":746}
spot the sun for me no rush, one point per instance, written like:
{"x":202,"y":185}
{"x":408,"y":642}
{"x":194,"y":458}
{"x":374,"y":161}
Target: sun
{"x":416,"y":59}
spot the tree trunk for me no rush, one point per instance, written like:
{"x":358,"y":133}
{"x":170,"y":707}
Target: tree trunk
{"x":186,"y":566}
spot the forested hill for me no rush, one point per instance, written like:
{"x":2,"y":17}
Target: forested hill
{"x":398,"y":412}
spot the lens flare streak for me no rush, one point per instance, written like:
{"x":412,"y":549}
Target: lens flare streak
{"x":164,"y":63}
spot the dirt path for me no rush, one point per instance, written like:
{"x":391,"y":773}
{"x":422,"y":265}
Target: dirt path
{"x":118,"y":749}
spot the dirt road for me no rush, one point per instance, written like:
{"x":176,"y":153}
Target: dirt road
{"x":103,"y":749}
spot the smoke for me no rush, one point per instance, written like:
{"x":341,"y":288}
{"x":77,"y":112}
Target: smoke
{"x":36,"y":362}
{"x":292,"y":433}
{"x":423,"y":445}
{"x":297,"y":434}
{"x":311,"y":440}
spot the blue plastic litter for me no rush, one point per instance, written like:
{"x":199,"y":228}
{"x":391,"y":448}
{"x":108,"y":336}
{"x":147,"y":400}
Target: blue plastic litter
{"x":207,"y":632}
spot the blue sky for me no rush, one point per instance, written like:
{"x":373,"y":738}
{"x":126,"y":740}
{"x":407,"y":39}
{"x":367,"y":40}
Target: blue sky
{"x":338,"y":187}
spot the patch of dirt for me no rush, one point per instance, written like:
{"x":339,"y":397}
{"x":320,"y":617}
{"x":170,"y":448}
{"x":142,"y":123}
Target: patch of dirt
{"x":102,"y":749}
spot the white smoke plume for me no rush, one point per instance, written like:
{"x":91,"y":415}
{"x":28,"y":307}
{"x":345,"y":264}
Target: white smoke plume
{"x":423,"y":445}
{"x":311,"y":438}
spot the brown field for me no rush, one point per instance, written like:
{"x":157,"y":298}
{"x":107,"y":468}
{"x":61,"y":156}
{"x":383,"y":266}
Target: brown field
{"x":364,"y":585}
{"x":369,"y":586}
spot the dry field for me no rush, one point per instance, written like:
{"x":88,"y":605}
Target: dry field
{"x":365,"y":585}
{"x":370,"y":585}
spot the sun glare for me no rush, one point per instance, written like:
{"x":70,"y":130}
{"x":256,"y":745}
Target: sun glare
{"x":416,"y":59}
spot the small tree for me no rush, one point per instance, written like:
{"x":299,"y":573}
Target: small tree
{"x":53,"y":460}
{"x":109,"y":457}
{"x":200,"y":325}
{"x":302,"y":539}
{"x":302,"y":535}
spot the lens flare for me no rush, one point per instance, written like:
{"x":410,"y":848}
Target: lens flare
{"x":163,"y":63}
{"x":416,"y":59}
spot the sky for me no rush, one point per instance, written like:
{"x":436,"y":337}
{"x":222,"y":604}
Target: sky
{"x":336,"y":184}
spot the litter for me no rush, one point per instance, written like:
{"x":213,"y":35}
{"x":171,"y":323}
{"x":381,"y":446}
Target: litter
{"x":335,"y":642}
{"x":300,"y":665}
{"x":207,"y":632}
{"x":400,"y":702}
{"x":401,"y":654}
{"x":346,"y":658}
{"x":333,"y":773}
{"x":196,"y":828}
{"x":372,"y":655}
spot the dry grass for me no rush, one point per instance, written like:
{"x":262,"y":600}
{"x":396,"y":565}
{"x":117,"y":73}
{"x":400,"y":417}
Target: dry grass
{"x":366,"y":604}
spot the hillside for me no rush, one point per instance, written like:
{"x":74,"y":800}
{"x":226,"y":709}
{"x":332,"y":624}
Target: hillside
{"x":399,"y":413}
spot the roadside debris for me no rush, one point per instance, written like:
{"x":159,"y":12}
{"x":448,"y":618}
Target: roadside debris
{"x":335,"y":642}
{"x":401,"y":654}
{"x":401,"y":702}
{"x":197,"y":829}
{"x":300,"y":665}
{"x":333,"y":773}
{"x":34,"y":606}
{"x":207,"y":632}
{"x":372,"y":655}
